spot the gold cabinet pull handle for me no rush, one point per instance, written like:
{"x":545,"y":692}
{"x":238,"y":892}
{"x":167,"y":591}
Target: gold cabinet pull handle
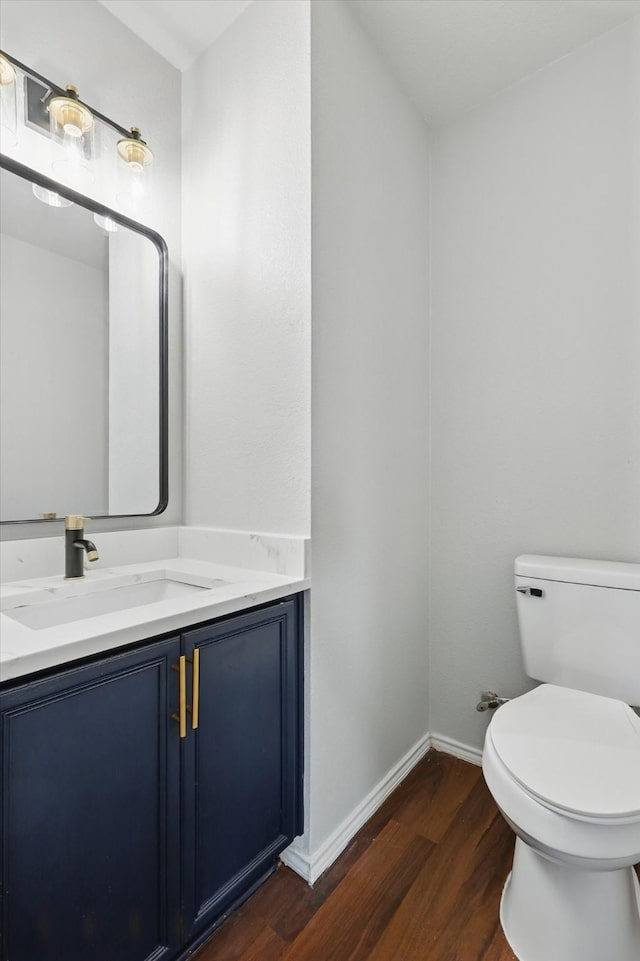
{"x":181,"y":717}
{"x":195,"y":710}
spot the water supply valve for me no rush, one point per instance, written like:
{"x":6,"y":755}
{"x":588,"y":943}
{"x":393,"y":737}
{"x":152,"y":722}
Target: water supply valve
{"x":489,"y":700}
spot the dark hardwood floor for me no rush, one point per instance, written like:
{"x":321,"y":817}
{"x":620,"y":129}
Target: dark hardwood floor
{"x":420,"y":882}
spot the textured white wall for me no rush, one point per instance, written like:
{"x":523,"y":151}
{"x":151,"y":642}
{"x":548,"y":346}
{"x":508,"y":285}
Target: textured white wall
{"x":535,"y":355}
{"x":367,"y":676}
{"x":79,"y":42}
{"x":246,"y":224}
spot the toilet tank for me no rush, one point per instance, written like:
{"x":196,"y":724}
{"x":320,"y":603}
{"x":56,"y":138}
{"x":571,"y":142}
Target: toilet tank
{"x":580,"y":623}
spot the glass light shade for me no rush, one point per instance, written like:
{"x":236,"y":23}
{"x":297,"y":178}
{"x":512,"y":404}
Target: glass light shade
{"x":106,"y":223}
{"x":134,"y":172}
{"x":72,"y":131}
{"x":8,"y":104}
{"x":50,"y":197}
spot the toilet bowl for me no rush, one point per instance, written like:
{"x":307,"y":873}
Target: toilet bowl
{"x":564,"y":768}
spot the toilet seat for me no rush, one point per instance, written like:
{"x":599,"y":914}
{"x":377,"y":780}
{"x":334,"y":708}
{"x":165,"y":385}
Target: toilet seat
{"x":576,"y":753}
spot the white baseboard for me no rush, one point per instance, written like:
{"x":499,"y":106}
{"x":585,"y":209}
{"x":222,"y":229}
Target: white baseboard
{"x":456,"y":748}
{"x":298,"y":861}
{"x":311,"y":865}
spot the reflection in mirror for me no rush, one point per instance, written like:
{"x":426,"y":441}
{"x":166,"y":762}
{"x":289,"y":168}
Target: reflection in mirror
{"x":83,"y":359}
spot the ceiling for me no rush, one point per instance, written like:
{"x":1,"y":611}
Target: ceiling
{"x":179,"y":30}
{"x":450,"y":55}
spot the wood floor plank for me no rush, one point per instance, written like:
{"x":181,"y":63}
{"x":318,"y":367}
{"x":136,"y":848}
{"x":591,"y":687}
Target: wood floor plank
{"x":348,"y":924}
{"x":467,"y":923}
{"x":429,"y":798}
{"x":233,"y":940}
{"x":497,"y":949}
{"x":290,"y":923}
{"x":459,"y":884}
{"x":431,"y":801}
{"x":287,"y":903}
{"x":268,"y":946}
{"x":239,"y":938}
{"x":281,"y":903}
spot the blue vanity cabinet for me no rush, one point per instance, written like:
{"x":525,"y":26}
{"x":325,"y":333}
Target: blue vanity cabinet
{"x":90,"y":804}
{"x":242,"y":784}
{"x":134,"y":818}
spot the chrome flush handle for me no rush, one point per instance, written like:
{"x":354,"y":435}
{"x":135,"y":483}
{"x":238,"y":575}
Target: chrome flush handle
{"x":531,"y":591}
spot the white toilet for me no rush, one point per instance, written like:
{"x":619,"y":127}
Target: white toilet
{"x":563,"y":764}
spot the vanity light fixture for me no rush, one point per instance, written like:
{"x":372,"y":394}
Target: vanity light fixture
{"x":8,"y":103}
{"x":82,"y":140}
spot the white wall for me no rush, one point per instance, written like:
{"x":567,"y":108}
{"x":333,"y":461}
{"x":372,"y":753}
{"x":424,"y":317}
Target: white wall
{"x":79,"y":42}
{"x":535,"y":355}
{"x":246,"y":221}
{"x":53,"y":383}
{"x":368,"y":657}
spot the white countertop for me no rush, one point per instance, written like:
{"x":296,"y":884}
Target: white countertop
{"x":24,"y":650}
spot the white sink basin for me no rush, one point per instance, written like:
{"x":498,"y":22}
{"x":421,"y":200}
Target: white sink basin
{"x":106,"y":600}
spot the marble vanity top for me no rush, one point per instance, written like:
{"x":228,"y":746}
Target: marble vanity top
{"x":220,"y":588}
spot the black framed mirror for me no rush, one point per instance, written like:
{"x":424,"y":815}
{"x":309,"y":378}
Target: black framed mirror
{"x":83,"y":354}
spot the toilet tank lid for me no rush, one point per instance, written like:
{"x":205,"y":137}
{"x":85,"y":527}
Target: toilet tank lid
{"x":577,"y":570}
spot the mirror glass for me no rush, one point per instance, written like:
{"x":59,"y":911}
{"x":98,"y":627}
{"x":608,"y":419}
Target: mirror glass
{"x":82,"y":357}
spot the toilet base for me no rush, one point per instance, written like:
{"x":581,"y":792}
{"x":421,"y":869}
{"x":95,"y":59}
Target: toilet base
{"x":555,"y":912}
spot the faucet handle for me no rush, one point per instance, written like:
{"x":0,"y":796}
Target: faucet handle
{"x":75,"y":522}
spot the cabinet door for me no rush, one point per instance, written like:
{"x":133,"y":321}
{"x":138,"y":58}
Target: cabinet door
{"x":90,"y":812}
{"x":241,"y":787}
